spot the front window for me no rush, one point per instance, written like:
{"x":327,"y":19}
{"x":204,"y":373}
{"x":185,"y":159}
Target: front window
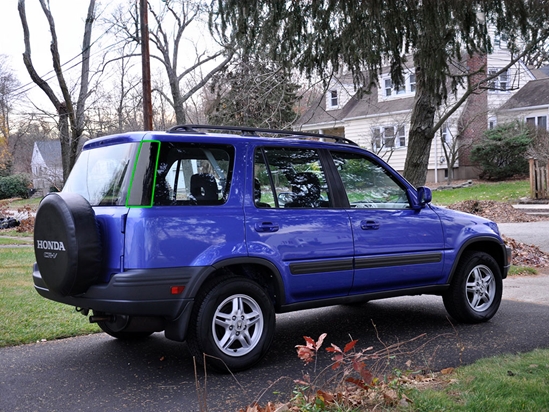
{"x":369,"y":185}
{"x":101,"y":175}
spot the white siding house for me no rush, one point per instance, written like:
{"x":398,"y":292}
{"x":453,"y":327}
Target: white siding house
{"x":46,"y":166}
{"x":380,"y":120}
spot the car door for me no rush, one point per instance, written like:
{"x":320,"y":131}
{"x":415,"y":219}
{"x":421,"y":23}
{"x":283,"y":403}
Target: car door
{"x":292,"y":223}
{"x":395,"y":246}
{"x":191,"y":219}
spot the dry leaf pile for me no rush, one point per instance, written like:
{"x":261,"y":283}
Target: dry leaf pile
{"x":527,"y":255}
{"x":501,"y":212}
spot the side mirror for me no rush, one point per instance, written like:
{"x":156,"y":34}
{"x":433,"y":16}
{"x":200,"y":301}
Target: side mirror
{"x":424,"y":195}
{"x":420,"y":198}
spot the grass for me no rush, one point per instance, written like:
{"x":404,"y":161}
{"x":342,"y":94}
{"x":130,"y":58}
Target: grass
{"x":506,"y":383}
{"x":510,"y":191}
{"x":12,"y":241}
{"x":25,"y":316}
{"x":502,"y":383}
{"x":16,"y":203}
{"x":522,"y":271}
{"x":15,"y":233}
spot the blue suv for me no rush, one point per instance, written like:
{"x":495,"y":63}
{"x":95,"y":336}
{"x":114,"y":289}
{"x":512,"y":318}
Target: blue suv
{"x":206,"y":232}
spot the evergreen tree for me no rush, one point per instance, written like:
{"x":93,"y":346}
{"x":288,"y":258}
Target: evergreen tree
{"x":319,"y":37}
{"x":253,"y":92}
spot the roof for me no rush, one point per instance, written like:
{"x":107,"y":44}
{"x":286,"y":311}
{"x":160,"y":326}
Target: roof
{"x":535,"y":93}
{"x":50,"y":152}
{"x":544,"y":70}
{"x":360,"y":105}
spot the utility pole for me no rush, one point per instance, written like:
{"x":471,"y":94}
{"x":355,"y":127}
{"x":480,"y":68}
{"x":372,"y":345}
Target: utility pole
{"x":146,"y":67}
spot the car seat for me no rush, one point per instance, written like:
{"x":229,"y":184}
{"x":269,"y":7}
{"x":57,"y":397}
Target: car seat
{"x":204,"y":188}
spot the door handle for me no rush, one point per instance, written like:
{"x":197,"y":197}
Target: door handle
{"x":266,"y":227}
{"x":369,"y":225}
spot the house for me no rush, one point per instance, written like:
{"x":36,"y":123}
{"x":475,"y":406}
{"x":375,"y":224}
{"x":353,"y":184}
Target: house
{"x":46,"y":166}
{"x":530,"y":104}
{"x":380,"y":120}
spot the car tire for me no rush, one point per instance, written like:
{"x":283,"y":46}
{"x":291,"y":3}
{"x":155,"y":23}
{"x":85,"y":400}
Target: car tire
{"x":475,"y":290}
{"x":233,"y":323}
{"x":67,"y":243}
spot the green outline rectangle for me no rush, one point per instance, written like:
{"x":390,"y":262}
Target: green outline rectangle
{"x":133,"y":175}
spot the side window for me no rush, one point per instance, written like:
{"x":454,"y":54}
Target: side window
{"x":368,"y":184}
{"x":289,"y":178}
{"x":191,"y":174}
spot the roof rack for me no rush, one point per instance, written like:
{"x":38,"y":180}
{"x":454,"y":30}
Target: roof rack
{"x":255,"y":131}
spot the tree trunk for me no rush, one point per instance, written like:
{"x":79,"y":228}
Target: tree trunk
{"x":71,"y":115}
{"x":420,"y":137}
{"x":64,"y":138}
{"x":180,"y":116}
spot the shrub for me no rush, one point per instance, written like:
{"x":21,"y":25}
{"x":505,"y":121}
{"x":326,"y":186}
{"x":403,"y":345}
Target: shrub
{"x":502,"y":151}
{"x":14,"y":186}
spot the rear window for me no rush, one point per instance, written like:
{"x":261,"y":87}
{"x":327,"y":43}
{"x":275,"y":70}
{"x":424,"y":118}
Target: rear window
{"x":101,"y":175}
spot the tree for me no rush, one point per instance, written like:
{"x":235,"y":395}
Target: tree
{"x":8,"y":85}
{"x":253,"y":92}
{"x":319,"y":37}
{"x":186,"y":75}
{"x":70,"y":112}
{"x":501,"y":153}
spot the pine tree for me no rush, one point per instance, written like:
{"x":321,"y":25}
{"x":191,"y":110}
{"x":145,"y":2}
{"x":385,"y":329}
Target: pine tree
{"x":253,"y":92}
{"x":319,"y":37}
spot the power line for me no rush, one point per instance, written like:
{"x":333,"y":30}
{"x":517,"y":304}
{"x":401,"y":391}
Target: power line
{"x":23,"y":89}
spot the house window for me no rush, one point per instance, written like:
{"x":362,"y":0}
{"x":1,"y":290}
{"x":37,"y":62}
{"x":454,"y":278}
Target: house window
{"x":412,"y":83}
{"x":540,"y":122}
{"x":445,"y":135}
{"x":492,"y":123}
{"x":388,"y":137}
{"x":388,"y":87}
{"x":407,"y":88}
{"x":501,"y":38}
{"x":401,"y":136}
{"x":499,"y":84}
{"x":334,"y":98}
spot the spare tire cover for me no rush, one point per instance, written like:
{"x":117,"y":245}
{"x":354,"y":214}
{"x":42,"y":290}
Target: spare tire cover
{"x":67,"y":243}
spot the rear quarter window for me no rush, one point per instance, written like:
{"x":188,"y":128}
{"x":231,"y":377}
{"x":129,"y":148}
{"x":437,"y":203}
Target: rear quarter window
{"x":193,"y":174}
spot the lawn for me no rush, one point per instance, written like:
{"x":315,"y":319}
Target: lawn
{"x":509,"y":191}
{"x":504,"y":383}
{"x":25,"y":316}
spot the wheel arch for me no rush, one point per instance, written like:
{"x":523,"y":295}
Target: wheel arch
{"x":260,"y":270}
{"x":488,"y":245}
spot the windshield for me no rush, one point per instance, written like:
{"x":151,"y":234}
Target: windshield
{"x":101,"y":175}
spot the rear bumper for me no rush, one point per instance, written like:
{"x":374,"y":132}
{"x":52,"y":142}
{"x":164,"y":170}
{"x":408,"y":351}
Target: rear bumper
{"x":133,"y":293}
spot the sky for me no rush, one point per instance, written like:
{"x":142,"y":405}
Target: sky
{"x":69,"y":16}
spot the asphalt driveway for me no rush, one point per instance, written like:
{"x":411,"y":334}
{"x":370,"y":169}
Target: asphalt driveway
{"x":99,"y":373}
{"x":102,"y":374}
